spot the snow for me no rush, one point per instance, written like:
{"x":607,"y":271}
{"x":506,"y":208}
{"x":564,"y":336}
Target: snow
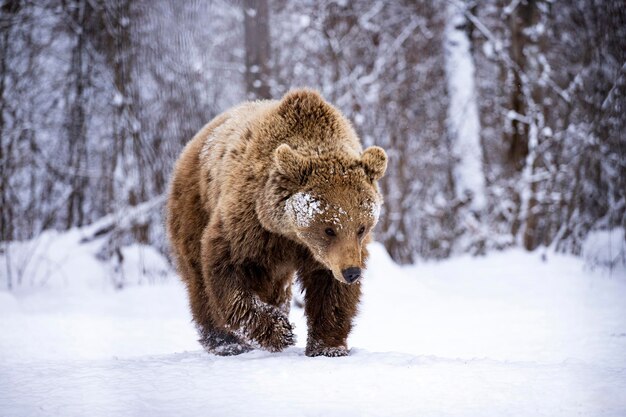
{"x":605,"y":248}
{"x":373,"y":209}
{"x":303,"y":207}
{"x":512,"y":333}
{"x":60,"y":261}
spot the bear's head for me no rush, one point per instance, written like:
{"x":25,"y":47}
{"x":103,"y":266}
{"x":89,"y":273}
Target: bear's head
{"x":332,"y":203}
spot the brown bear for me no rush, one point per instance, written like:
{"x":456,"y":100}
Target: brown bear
{"x":265,"y":192}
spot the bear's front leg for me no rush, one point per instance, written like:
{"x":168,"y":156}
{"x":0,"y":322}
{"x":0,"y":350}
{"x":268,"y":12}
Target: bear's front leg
{"x":231,"y":287}
{"x":330,"y":307}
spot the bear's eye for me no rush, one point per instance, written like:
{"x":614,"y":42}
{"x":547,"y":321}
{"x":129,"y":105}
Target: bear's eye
{"x":330,"y":232}
{"x":361,"y":231}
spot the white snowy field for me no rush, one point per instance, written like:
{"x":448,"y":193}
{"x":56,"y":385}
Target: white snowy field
{"x":508,"y":334}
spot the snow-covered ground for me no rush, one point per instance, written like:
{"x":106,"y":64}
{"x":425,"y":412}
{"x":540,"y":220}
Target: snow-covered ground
{"x":508,"y":334}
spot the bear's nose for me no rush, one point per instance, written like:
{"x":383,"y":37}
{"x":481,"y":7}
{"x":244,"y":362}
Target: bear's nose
{"x":351,"y":274}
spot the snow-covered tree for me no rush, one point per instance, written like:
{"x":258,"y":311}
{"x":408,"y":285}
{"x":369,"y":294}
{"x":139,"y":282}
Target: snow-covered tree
{"x":503,"y":120}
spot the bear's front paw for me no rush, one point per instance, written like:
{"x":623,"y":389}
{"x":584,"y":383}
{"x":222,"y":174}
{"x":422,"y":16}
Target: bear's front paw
{"x":266,"y":327}
{"x":332,"y":352}
{"x":222,"y":343}
{"x":274,"y":332}
{"x":317,"y":348}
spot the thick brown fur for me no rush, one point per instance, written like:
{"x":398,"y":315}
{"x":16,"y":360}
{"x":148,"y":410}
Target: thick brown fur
{"x":252,"y":199}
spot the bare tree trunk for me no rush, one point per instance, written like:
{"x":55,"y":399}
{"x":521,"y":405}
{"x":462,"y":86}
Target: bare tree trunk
{"x":8,"y":10}
{"x":127,"y":128}
{"x":257,"y":44}
{"x":521,"y":158}
{"x":520,"y":19}
{"x":76,"y":125}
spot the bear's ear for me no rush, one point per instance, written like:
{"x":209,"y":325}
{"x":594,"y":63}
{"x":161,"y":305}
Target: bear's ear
{"x":301,"y":103}
{"x":291,"y":164}
{"x":374,"y":162}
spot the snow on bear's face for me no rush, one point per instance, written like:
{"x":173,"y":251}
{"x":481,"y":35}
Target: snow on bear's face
{"x":334,"y":206}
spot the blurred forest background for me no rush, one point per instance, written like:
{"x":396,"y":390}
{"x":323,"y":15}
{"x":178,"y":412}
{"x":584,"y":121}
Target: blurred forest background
{"x":503,"y":119}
